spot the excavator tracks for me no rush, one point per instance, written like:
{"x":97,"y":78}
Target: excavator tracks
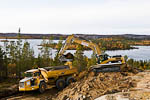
{"x":114,"y":67}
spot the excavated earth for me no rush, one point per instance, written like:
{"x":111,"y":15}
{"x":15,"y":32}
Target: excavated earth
{"x":140,"y":92}
{"x":103,"y":86}
{"x":93,"y":86}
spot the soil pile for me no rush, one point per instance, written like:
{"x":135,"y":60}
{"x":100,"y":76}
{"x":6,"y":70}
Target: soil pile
{"x":8,"y":91}
{"x":92,"y":86}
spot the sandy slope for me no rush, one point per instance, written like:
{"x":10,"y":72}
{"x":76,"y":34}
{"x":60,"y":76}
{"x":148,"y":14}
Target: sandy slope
{"x":140,"y":92}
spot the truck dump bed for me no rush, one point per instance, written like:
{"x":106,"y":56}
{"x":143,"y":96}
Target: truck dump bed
{"x":58,"y":71}
{"x":56,"y":67}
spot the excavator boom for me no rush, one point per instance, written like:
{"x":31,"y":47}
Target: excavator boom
{"x":72,"y":39}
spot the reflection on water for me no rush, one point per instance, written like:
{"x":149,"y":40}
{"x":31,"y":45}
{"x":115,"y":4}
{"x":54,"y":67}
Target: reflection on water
{"x":142,"y":53}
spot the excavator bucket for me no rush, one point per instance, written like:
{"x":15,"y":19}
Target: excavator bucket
{"x":67,"y":57}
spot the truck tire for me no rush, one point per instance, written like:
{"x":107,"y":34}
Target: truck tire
{"x":70,"y":80}
{"x":42,"y":87}
{"x":60,"y":84}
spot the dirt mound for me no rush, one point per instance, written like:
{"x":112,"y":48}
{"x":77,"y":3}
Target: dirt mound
{"x":8,"y":91}
{"x":91,"y":86}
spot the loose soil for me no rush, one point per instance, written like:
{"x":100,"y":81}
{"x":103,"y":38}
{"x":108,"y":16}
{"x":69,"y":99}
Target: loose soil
{"x":93,"y":86}
{"x":103,"y":86}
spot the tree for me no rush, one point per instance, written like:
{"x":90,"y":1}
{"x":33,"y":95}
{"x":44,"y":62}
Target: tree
{"x":56,"y":59}
{"x":45,"y":53}
{"x":126,"y":58}
{"x":80,"y":61}
{"x":50,"y":49}
{"x":5,"y":57}
{"x":92,"y":61}
{"x":2,"y":67}
{"x":18,"y":57}
{"x":27,"y":57}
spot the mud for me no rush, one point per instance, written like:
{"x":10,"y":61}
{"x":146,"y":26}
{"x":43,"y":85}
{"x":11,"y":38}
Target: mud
{"x":9,"y":91}
{"x":32,"y":95}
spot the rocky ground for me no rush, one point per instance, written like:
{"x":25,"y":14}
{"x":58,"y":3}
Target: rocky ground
{"x":140,"y":92}
{"x":104,"y":86}
{"x":93,"y":86}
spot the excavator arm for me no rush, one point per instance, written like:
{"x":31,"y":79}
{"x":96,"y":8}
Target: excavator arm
{"x":66,"y":45}
{"x":72,"y":39}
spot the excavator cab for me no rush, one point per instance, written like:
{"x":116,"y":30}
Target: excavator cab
{"x":102,"y":58}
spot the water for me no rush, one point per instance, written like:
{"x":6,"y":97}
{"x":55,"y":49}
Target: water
{"x":143,"y":53}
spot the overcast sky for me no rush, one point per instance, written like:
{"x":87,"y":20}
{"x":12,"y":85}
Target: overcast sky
{"x":75,"y":16}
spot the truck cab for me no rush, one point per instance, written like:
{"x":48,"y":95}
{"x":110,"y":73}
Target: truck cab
{"x":32,"y":80}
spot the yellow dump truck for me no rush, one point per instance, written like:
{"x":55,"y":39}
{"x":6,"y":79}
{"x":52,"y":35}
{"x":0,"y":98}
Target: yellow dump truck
{"x":42,"y":78}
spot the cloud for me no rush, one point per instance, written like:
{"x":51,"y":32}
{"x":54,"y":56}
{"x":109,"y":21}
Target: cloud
{"x":77,"y":16}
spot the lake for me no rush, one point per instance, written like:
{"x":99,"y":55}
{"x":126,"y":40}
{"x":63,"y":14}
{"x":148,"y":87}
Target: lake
{"x":143,"y":53}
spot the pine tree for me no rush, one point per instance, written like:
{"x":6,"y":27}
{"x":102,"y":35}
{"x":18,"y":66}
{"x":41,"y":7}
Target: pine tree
{"x":2,"y":67}
{"x":79,"y":59}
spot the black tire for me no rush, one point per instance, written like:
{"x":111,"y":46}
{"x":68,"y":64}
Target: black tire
{"x":60,"y":84}
{"x":70,"y":80}
{"x":42,"y":87}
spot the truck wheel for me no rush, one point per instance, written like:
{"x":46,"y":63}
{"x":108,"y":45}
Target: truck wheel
{"x":42,"y":87}
{"x":69,"y":80}
{"x":60,"y":84}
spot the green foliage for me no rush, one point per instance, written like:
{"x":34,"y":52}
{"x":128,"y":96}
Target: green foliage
{"x":92,"y":61}
{"x":139,"y":64}
{"x":80,"y":61}
{"x":59,"y":45}
{"x":115,"y":43}
{"x":126,"y":57}
{"x":19,"y":57}
{"x":27,"y":56}
{"x":2,"y":65}
{"x":56,"y":59}
{"x":46,"y":54}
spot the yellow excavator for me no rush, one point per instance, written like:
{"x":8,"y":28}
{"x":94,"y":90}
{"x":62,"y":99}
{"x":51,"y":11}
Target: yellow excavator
{"x":105,"y":63}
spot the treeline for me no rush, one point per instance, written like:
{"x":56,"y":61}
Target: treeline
{"x":17,"y":57}
{"x":113,"y":43}
{"x":143,"y":65}
{"x":120,"y":43}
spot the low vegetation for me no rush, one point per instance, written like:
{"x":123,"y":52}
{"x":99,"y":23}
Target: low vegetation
{"x":143,"y":65}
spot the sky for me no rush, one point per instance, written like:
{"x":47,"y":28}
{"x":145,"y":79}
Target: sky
{"x":75,"y":16}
